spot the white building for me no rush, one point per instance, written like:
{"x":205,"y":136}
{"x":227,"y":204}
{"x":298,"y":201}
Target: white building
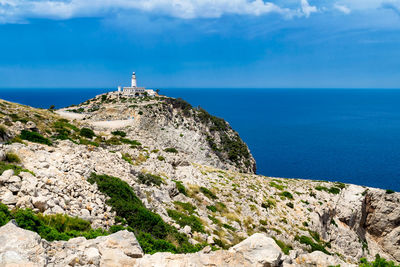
{"x":134,"y":91}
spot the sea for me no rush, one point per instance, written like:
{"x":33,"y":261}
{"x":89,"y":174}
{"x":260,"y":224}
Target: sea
{"x":345,"y":135}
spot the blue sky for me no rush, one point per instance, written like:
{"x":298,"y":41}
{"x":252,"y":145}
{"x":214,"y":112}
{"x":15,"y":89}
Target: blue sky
{"x":200,"y":43}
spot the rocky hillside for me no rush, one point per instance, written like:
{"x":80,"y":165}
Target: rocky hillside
{"x":168,"y":122}
{"x":167,"y":176}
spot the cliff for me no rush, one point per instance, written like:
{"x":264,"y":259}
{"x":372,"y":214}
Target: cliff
{"x":182,"y":181}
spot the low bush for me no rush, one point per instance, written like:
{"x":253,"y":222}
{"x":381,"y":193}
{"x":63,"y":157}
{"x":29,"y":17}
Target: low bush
{"x":290,"y":205}
{"x":332,"y":190}
{"x":12,"y":158}
{"x":208,"y":193}
{"x":286,"y":194}
{"x":127,"y":158}
{"x":313,"y":246}
{"x":149,"y":179}
{"x":229,"y":227}
{"x":285,"y":247}
{"x":212,"y":208}
{"x":183,"y":219}
{"x":390,"y":191}
{"x":86,"y":132}
{"x":119,"y":133}
{"x":181,"y":188}
{"x":115,"y":141}
{"x":378,"y":262}
{"x":270,"y":203}
{"x":133,"y":143}
{"x":161,"y":158}
{"x":171,"y":150}
{"x":50,"y":227}
{"x":34,"y":137}
{"x":152,"y":233}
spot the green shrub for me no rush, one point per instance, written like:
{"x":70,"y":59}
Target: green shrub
{"x":229,"y":227}
{"x":290,"y":205}
{"x":86,"y":132}
{"x":378,"y":262}
{"x":285,"y":248}
{"x":133,"y":143}
{"x":34,"y":137}
{"x":119,"y":133}
{"x":208,"y":193}
{"x":286,"y":194}
{"x":12,"y":158}
{"x":183,"y":219}
{"x":3,"y":131}
{"x":5,"y":215}
{"x":181,"y":188}
{"x":214,"y":220}
{"x":115,"y":141}
{"x":152,"y":232}
{"x":149,"y":179}
{"x":390,"y":191}
{"x":314,"y":246}
{"x":161,"y":158}
{"x":332,"y":190}
{"x":212,"y":208}
{"x":127,"y":158}
{"x":171,"y":150}
{"x":270,"y":203}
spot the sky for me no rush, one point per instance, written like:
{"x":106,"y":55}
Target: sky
{"x":200,"y":43}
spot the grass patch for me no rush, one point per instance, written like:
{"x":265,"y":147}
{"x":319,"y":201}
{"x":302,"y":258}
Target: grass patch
{"x":212,"y":208}
{"x":185,"y":206}
{"x":208,"y":193}
{"x":50,"y":227}
{"x":181,"y":188}
{"x":378,"y":262}
{"x":285,"y":247}
{"x":17,"y":169}
{"x":277,"y":186}
{"x":183,"y":219}
{"x":313,"y":246}
{"x":12,"y":158}
{"x":149,"y":179}
{"x":86,"y":132}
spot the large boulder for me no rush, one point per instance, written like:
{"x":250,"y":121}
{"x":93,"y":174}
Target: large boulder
{"x":19,"y":247}
{"x":318,"y":258}
{"x":260,"y":250}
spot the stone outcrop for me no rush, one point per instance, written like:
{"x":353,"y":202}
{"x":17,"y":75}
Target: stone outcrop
{"x":20,"y":248}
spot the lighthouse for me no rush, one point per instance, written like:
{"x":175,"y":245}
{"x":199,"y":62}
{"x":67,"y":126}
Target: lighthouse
{"x":133,"y":83}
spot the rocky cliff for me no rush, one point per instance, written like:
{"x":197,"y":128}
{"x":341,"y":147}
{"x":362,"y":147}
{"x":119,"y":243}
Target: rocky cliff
{"x":186,"y":174}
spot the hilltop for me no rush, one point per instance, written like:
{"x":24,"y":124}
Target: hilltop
{"x":182,"y":181}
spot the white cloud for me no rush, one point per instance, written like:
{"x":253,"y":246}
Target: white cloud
{"x":342,"y":8}
{"x":22,"y":10}
{"x":307,"y":9}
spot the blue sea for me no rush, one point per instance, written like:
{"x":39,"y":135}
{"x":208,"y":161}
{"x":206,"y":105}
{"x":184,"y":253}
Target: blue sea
{"x":346,"y":135}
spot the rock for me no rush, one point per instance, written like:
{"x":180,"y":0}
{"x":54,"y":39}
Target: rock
{"x":40,"y":203}
{"x":2,"y":155}
{"x":8,"y":198}
{"x":92,"y":255}
{"x":187,"y":229}
{"x":124,"y":241}
{"x":21,"y":247}
{"x":31,"y":125}
{"x":260,"y":250}
{"x":6,"y":175}
{"x":318,"y":258}
{"x":14,"y":179}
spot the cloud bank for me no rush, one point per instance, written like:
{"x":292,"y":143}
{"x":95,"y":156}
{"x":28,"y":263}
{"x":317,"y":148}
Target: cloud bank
{"x":14,"y":11}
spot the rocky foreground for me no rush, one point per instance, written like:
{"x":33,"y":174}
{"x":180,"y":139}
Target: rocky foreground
{"x":191,"y":174}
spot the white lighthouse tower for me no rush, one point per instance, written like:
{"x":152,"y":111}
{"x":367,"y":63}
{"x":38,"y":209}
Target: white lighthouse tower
{"x":133,"y":83}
